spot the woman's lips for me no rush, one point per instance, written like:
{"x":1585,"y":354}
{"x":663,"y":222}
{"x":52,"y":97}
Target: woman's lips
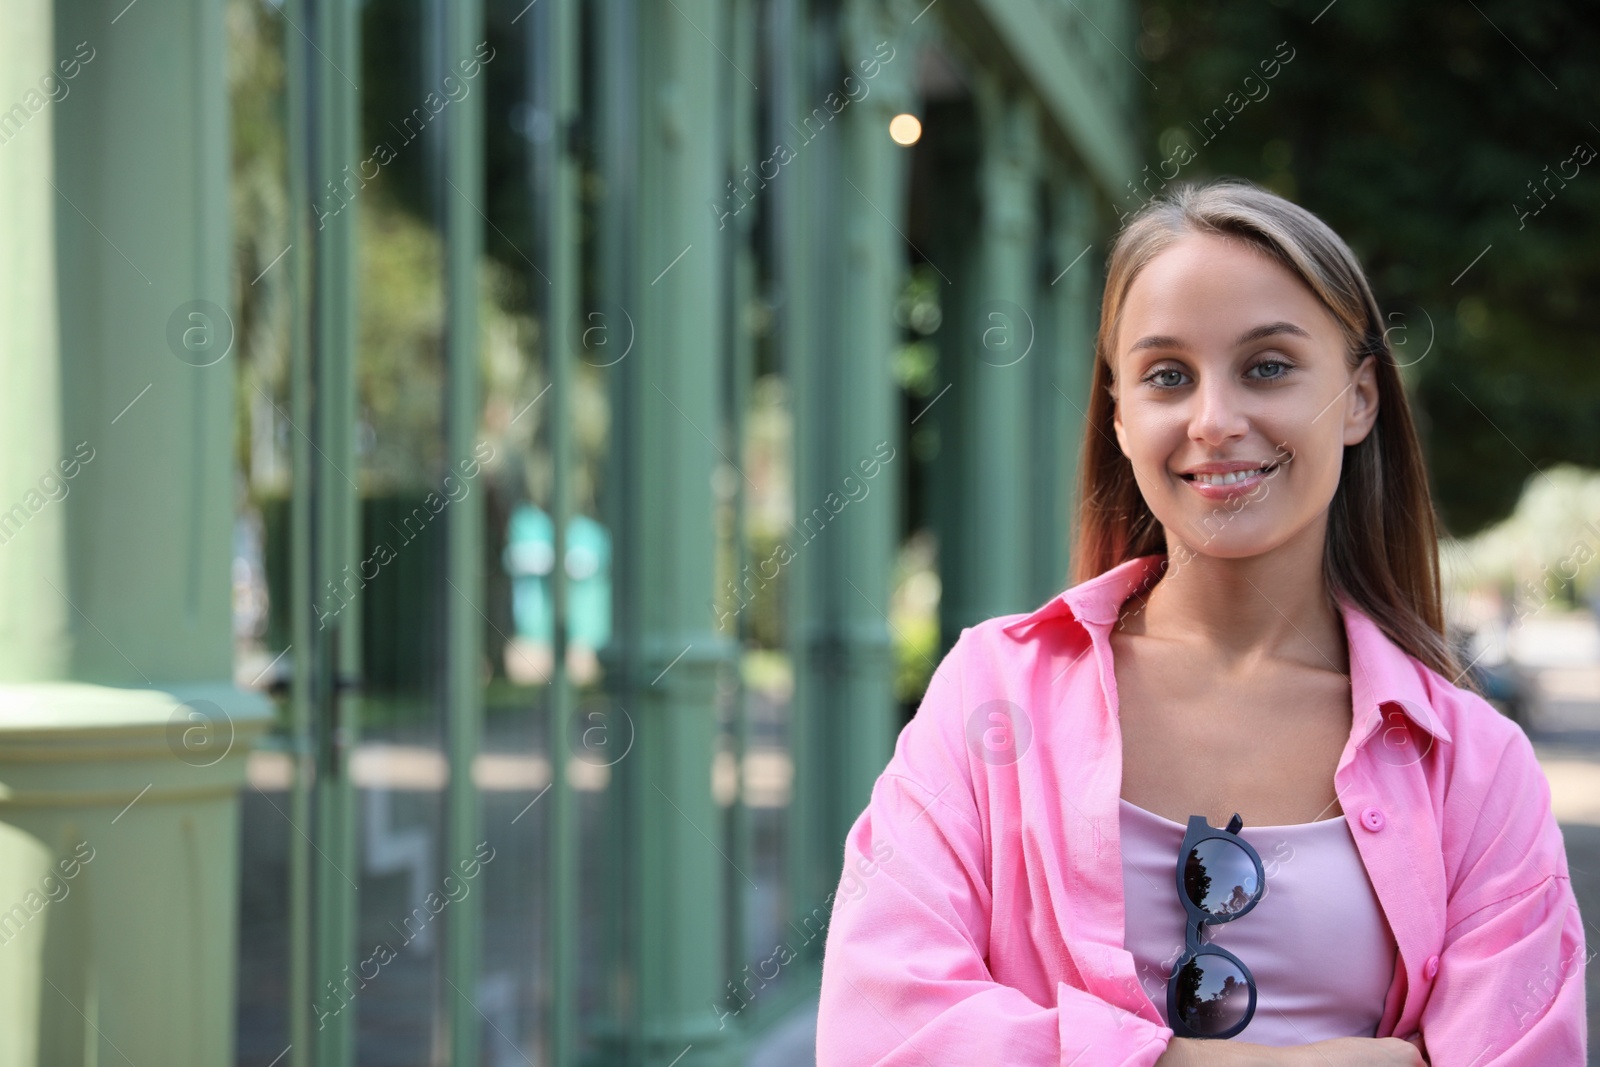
{"x":1223,"y":492}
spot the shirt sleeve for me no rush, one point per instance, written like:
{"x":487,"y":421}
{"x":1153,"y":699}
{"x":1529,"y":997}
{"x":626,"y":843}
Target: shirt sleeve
{"x":1509,"y":990}
{"x":905,"y":978}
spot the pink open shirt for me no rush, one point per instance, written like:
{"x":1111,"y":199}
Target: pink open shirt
{"x":979,"y":916}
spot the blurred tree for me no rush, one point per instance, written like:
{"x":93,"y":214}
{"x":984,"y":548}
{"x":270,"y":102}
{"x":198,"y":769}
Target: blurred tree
{"x":1438,"y":140}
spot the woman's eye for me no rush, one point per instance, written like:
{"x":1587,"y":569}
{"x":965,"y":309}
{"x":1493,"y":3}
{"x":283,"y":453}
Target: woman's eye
{"x":1172,"y":378}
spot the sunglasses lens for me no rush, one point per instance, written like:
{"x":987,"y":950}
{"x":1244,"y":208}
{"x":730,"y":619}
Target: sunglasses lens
{"x":1219,"y":877}
{"x":1213,"y":994}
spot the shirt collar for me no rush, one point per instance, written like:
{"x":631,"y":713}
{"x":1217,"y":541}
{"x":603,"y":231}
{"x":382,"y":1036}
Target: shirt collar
{"x":1382,"y":674}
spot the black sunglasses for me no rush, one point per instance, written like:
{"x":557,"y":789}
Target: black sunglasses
{"x":1211,"y":992}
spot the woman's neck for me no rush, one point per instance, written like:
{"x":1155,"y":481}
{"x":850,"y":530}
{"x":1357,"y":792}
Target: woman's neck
{"x":1240,"y":612}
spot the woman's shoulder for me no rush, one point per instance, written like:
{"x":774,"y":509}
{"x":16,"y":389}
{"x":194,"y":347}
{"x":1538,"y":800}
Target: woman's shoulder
{"x":1480,"y":735}
{"x":1022,"y":650}
{"x":1483,"y":774}
{"x":1029,"y":656}
{"x":1459,"y":729}
{"x":1498,"y":831}
{"x":1490,"y":776}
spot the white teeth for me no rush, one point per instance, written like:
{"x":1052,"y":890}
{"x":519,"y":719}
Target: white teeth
{"x":1229,"y":478}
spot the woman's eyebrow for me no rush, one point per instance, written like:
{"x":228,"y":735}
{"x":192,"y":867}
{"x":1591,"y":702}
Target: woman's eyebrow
{"x":1255,"y":333}
{"x":1258,"y":332}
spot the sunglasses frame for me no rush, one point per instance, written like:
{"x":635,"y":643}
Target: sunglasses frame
{"x":1200,"y":830}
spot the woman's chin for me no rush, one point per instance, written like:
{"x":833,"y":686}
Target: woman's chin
{"x":1229,"y":544}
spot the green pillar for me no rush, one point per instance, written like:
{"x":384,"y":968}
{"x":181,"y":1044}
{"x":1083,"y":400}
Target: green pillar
{"x":740,"y":147}
{"x":1068,"y":317}
{"x":122,"y":737}
{"x":325,"y":64}
{"x":565,"y":213}
{"x":465,"y":532}
{"x":614,"y":122}
{"x":988,"y":526}
{"x":668,"y":439}
{"x":34,"y":616}
{"x":865,"y":268}
{"x":803,"y":223}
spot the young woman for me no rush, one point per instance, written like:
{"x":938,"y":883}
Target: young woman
{"x":1052,"y":869}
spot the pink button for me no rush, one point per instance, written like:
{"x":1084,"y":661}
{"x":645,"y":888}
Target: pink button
{"x":1430,"y":968}
{"x":1372,"y":819}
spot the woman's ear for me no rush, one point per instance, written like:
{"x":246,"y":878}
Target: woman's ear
{"x":1362,"y":410}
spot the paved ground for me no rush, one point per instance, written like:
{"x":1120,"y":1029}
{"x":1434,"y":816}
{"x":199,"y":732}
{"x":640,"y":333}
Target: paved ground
{"x":1562,"y":655}
{"x":792,"y":1043}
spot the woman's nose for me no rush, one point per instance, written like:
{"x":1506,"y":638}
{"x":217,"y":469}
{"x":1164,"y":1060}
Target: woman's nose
{"x":1219,"y":413}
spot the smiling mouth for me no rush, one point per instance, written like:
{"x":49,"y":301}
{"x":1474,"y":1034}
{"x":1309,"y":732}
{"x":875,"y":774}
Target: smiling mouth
{"x":1232,"y":477}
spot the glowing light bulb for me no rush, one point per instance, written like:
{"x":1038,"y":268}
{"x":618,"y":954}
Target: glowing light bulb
{"x":905,"y":129}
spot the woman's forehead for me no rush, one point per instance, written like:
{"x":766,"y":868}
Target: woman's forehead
{"x":1207,"y":293}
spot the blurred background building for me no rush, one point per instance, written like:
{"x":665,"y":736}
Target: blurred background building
{"x":485,"y":483}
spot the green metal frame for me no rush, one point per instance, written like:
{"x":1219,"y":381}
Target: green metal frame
{"x":326,"y":704}
{"x":563,"y":306}
{"x":464,"y":534}
{"x":675,"y":115}
{"x":675,"y":107}
{"x":299,"y":179}
{"x":326,"y":518}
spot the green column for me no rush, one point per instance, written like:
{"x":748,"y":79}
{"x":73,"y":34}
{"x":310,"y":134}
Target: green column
{"x":143,"y":238}
{"x":802,"y":220}
{"x":865,"y":268}
{"x":565,"y":214}
{"x":1068,"y":318}
{"x":669,"y":442}
{"x":464,"y":658}
{"x":740,"y":147}
{"x":988,"y":529}
{"x":35,"y":619}
{"x":613,"y":118}
{"x":122,"y":737}
{"x":330,"y":61}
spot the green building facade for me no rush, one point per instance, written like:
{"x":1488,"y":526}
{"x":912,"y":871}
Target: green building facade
{"x":486,"y":483}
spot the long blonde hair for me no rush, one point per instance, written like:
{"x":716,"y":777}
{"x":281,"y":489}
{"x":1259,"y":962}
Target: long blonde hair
{"x":1382,"y":548}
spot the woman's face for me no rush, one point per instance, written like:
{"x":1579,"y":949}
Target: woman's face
{"x":1225,"y":360}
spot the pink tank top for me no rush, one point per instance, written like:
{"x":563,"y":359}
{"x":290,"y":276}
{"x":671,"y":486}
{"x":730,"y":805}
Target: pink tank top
{"x":1317,"y":942}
